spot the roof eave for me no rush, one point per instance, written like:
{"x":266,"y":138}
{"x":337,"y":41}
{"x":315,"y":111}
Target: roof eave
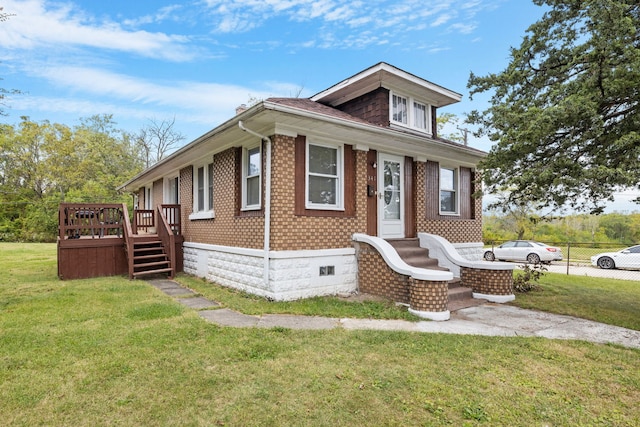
{"x":374,"y":77}
{"x":172,"y":161}
{"x":386,"y":133}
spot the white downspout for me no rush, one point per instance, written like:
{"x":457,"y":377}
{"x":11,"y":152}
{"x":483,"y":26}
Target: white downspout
{"x":267,"y":200}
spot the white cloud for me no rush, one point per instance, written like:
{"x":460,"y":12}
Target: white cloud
{"x":442,"y":19}
{"x":38,"y":24}
{"x":185,"y":95}
{"x":463,"y":28}
{"x":135,"y":98}
{"x":163,"y":14}
{"x":244,"y":15}
{"x":63,"y":46}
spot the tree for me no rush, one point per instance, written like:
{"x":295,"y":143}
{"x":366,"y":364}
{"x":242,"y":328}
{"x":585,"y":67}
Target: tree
{"x":449,"y":119}
{"x":4,"y":15}
{"x":618,"y":227}
{"x":522,"y":220}
{"x":565,"y":113}
{"x":4,"y":92}
{"x":157,"y":139}
{"x":43,"y":164}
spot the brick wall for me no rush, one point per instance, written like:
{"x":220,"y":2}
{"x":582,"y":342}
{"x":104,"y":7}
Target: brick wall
{"x":373,"y":107}
{"x":455,"y":229}
{"x":428,"y":296}
{"x":298,"y":232}
{"x":375,"y":277}
{"x":488,"y":282}
{"x":291,"y":231}
{"x":227,"y":228}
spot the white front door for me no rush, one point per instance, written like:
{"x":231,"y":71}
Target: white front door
{"x":390,"y":196}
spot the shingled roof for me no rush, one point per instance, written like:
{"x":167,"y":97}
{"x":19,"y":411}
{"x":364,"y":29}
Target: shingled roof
{"x":315,"y":107}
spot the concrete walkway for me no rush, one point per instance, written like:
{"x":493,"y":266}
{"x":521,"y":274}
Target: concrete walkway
{"x":488,"y":319}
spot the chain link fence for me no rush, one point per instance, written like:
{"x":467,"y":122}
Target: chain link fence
{"x":576,"y":259}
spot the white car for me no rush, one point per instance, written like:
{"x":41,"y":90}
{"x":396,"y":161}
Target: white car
{"x":525,"y":251}
{"x":626,"y":258}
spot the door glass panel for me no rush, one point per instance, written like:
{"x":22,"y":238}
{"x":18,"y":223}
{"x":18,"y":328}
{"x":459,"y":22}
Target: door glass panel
{"x":391,"y":194}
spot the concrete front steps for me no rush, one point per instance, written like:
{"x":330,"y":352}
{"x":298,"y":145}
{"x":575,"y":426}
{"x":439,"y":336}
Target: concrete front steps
{"x":461,"y":297}
{"x":410,"y":251}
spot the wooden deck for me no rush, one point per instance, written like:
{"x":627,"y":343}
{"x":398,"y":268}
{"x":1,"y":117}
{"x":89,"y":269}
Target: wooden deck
{"x":98,"y":240}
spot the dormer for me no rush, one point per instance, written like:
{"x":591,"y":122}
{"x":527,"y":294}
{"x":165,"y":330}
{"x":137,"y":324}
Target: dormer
{"x":388,"y":96}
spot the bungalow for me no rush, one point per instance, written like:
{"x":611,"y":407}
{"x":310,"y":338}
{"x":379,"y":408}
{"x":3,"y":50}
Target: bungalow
{"x":341,"y":192}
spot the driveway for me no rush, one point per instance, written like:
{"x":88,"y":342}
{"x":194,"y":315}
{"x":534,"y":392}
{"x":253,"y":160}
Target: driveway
{"x":590,"y":271}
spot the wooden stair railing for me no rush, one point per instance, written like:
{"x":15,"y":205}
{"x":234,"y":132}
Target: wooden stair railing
{"x":172,"y":214}
{"x":128,"y":239}
{"x":168,"y":239}
{"x":150,"y":254}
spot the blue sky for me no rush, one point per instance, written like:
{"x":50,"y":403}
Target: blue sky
{"x":197,"y":60}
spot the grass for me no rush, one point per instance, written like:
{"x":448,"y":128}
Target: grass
{"x":615,"y":302}
{"x":319,"y":306}
{"x":111,"y":351}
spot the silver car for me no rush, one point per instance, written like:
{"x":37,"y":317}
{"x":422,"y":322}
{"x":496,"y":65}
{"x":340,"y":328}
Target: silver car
{"x":626,"y":258}
{"x":525,"y":251}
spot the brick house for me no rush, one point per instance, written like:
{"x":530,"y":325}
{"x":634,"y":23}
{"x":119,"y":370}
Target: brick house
{"x":272,"y":199}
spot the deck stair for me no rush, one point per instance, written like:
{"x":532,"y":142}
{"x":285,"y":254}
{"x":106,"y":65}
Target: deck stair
{"x":414,"y":255}
{"x":149,"y":256}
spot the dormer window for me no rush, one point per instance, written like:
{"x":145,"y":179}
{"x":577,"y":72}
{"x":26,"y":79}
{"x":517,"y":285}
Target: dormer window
{"x":420,"y":115}
{"x":409,"y":112}
{"x":399,"y":110}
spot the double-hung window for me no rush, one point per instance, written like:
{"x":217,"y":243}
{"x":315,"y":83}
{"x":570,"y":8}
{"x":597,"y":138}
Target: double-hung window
{"x":203,"y":192}
{"x":409,"y":112}
{"x":251,"y":178}
{"x":419,"y":115}
{"x":324,"y":172}
{"x":399,"y":109}
{"x":448,"y":191}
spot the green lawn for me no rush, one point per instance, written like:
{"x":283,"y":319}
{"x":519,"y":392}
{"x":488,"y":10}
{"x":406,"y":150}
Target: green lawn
{"x":111,"y":351}
{"x":615,"y":302}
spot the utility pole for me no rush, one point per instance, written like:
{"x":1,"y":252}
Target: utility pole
{"x":465,"y":132}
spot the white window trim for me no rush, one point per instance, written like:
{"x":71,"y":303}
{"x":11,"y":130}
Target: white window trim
{"x":148,"y":198}
{"x":408,"y":105}
{"x":411,"y":120}
{"x":426,"y":115}
{"x":206,"y":213}
{"x":456,"y":184}
{"x":339,"y":206}
{"x":167,"y":188}
{"x":245,"y":177}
